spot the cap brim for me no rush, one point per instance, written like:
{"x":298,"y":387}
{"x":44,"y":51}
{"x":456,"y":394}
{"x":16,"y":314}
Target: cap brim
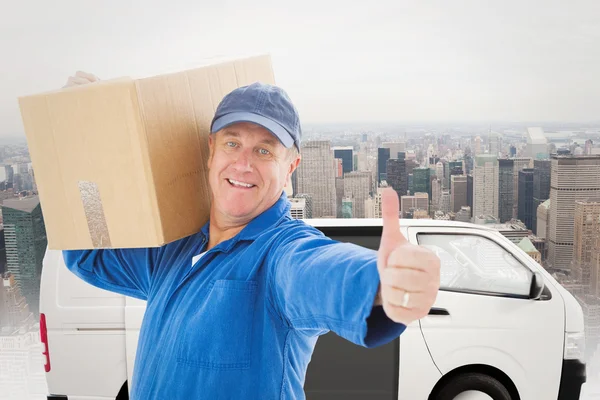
{"x":233,"y":118}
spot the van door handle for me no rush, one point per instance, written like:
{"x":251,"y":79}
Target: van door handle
{"x":438,"y":311}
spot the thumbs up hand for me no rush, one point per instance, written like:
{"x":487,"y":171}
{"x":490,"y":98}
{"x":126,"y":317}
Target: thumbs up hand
{"x":409,"y":274}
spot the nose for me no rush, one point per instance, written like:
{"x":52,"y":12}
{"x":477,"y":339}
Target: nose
{"x":243,"y":162}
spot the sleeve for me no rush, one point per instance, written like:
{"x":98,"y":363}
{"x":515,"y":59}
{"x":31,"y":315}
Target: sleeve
{"x":124,"y":271}
{"x":321,"y":284}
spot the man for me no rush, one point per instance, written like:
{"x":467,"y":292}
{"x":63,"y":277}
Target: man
{"x":234,"y":311}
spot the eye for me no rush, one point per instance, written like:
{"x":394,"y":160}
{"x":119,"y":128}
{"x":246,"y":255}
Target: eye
{"x":230,"y":144}
{"x":264,"y":152}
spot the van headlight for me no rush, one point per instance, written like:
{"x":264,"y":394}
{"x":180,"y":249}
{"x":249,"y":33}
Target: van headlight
{"x":574,"y":345}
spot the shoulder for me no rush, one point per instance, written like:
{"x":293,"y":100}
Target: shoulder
{"x":293,"y":229}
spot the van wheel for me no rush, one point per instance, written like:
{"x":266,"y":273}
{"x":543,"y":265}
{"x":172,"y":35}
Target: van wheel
{"x":473,"y":386}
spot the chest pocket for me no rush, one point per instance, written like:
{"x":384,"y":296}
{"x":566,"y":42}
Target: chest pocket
{"x":218,"y":334}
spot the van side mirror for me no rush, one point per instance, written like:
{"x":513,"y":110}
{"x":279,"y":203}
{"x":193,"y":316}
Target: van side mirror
{"x":537,"y":286}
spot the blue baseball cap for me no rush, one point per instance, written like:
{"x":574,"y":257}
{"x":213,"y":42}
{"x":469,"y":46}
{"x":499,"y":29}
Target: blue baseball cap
{"x":266,"y":105}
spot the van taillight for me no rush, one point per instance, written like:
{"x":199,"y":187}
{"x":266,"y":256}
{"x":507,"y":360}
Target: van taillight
{"x":44,"y":338}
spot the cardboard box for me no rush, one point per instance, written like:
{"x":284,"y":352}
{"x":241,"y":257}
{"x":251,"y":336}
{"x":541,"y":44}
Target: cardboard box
{"x":122,"y":163}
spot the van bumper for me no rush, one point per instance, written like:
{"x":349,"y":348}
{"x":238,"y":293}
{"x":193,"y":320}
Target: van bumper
{"x":572,"y":377}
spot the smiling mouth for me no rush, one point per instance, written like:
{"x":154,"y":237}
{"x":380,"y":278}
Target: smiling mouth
{"x":238,"y":184}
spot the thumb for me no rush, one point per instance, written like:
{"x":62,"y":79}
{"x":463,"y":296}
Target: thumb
{"x":391,"y":237}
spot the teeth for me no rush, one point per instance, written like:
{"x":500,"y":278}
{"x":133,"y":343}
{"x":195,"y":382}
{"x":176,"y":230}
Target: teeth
{"x":238,"y":183}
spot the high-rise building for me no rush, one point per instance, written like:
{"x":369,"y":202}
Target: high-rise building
{"x":542,"y":212}
{"x":470,"y":193}
{"x":411,"y":164}
{"x":537,"y":144}
{"x":436,"y":194}
{"x":348,"y":207}
{"x":458,"y":192}
{"x":346,"y":155}
{"x":419,"y":201}
{"x":395,"y":148}
{"x":505,"y":189}
{"x":422,"y":180}
{"x":308,"y":204}
{"x":526,"y":211}
{"x":339,"y":195}
{"x":519,"y":164}
{"x":316,"y":176}
{"x":14,"y":310}
{"x":439,"y":170}
{"x":357,"y":186}
{"x":495,"y":143}
{"x":454,"y":168}
{"x":295,"y":182}
{"x":586,"y":231}
{"x":541,"y":186}
{"x":477,"y":149}
{"x":383,"y":154}
{"x":572,"y":178}
{"x":485,"y":185}
{"x":445,"y":201}
{"x":396,"y":175}
{"x":370,"y":208}
{"x":26,"y":241}
{"x":298,"y":209}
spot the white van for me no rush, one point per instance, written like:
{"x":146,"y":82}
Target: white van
{"x":501,"y":328}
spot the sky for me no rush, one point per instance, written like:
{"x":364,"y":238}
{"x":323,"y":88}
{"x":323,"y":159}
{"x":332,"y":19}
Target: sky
{"x":381,"y":61}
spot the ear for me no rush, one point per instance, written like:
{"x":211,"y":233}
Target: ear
{"x":293,"y":165}
{"x":211,"y":149}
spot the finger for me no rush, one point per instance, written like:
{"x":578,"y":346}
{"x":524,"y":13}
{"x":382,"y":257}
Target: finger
{"x":391,"y":236}
{"x":414,"y":257}
{"x":406,"y":279}
{"x":403,"y":315}
{"x":416,"y":300}
{"x":86,"y":75}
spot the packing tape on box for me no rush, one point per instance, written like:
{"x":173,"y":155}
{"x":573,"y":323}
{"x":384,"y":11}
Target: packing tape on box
{"x":94,"y":214}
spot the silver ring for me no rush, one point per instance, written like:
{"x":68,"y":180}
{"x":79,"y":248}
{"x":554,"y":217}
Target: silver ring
{"x":405,"y":299}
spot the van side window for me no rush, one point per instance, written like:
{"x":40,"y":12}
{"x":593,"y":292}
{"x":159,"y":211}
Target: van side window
{"x":473,"y":263}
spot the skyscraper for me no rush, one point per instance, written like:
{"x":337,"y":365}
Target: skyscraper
{"x":396,"y":175}
{"x":422,"y":180}
{"x":298,"y":209}
{"x":505,"y":189}
{"x":458,"y":192}
{"x":572,"y":178}
{"x":526,"y":210}
{"x":537,"y":144}
{"x":420,"y":201}
{"x":316,"y":176}
{"x":357,"y":186}
{"x":485,"y":185}
{"x":470,"y":193}
{"x":541,"y":186}
{"x":395,"y":148}
{"x":308,"y":204}
{"x":586,"y":231}
{"x":346,"y":155}
{"x":383,"y":154}
{"x":25,"y":236}
{"x":519,"y":164}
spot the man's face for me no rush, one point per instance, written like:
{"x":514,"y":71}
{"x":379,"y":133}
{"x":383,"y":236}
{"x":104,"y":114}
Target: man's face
{"x":248,"y":169}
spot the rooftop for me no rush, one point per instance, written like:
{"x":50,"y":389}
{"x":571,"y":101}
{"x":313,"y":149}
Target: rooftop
{"x":536,"y":135}
{"x":27,"y":204}
{"x":526,"y":245}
